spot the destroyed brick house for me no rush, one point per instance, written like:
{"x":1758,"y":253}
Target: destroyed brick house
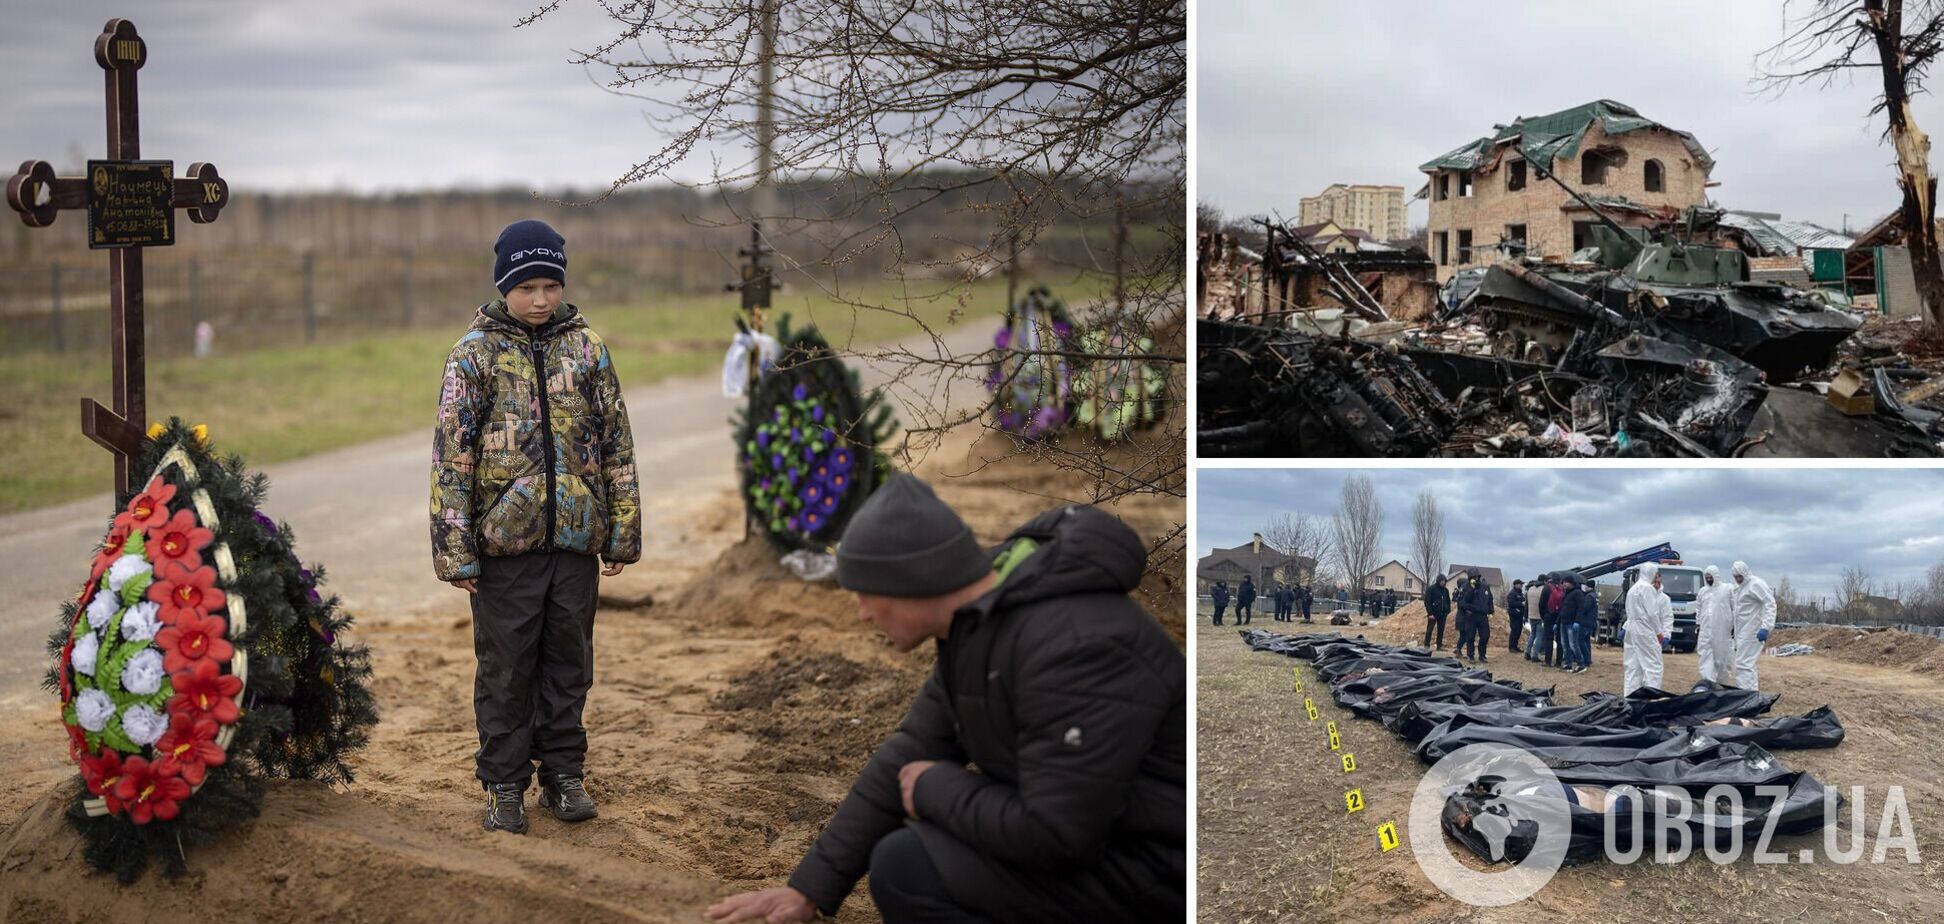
{"x":1486,"y":193}
{"x":1236,"y":282}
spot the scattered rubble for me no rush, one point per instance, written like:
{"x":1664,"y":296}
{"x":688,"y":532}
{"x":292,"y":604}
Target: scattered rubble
{"x":1644,"y":344}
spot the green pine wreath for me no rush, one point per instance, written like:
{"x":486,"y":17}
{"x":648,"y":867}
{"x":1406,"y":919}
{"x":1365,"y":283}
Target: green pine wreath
{"x":198,"y":661}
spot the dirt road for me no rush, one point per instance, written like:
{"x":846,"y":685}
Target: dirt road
{"x":726,"y":721}
{"x":1276,"y":843}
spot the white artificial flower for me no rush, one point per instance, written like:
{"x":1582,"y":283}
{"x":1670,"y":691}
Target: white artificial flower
{"x":94,"y":709}
{"x":126,"y":567}
{"x":144,"y":725}
{"x":102,"y":608}
{"x":86,"y":649}
{"x":143,"y":673}
{"x":140,"y":624}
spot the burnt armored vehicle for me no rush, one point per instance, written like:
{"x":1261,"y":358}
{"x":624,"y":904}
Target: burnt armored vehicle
{"x":1664,"y":281}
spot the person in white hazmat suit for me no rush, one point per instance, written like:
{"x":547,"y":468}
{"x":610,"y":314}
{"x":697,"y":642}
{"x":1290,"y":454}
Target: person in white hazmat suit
{"x":1754,"y":620}
{"x":1650,"y":616}
{"x":1714,"y":617}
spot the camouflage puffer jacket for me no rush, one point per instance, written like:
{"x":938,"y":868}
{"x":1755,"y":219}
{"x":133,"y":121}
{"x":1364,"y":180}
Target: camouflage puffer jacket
{"x":519,"y":468}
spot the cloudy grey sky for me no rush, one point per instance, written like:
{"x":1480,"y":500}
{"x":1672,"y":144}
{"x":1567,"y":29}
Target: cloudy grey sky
{"x":1805,"y":523}
{"x":348,"y":94}
{"x":1291,"y":97}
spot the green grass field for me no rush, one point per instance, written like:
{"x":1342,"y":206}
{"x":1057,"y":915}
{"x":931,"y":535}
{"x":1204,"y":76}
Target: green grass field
{"x":286,"y":402}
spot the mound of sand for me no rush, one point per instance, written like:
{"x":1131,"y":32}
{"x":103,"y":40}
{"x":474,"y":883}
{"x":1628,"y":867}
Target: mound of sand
{"x":1919,"y":654}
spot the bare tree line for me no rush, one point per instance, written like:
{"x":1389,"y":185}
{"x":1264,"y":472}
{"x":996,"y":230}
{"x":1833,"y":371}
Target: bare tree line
{"x":1012,"y":114}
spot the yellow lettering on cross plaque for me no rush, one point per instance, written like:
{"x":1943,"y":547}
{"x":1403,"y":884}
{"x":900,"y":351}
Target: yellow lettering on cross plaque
{"x":1336,"y":743}
{"x":1310,"y":708}
{"x":1349,"y":761}
{"x":1354,"y":799}
{"x":1387,"y":836}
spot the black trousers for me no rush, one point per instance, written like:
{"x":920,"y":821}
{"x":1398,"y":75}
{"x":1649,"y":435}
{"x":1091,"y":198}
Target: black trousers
{"x":1219,"y":607}
{"x":1518,"y":626}
{"x":906,"y":884}
{"x":1434,"y":621}
{"x":533,"y":633}
{"x":1242,"y":614}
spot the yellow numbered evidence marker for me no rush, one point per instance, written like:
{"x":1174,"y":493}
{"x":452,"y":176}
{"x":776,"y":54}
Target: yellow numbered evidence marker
{"x":1335,"y":741}
{"x":1387,"y":836}
{"x":1310,"y":708}
{"x":1353,"y":800}
{"x":1299,"y":678}
{"x":1349,"y":761}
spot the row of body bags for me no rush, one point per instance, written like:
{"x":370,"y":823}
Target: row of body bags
{"x":1650,"y":760}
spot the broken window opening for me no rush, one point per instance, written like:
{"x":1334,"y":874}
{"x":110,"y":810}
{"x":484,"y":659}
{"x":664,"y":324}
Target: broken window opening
{"x":1515,"y":234}
{"x":1595,"y":164}
{"x":1438,"y":242}
{"x":1464,"y":247}
{"x":1464,"y":184}
{"x":1582,"y":235}
{"x":1515,"y":175}
{"x":1441,"y":190}
{"x":1656,"y":177}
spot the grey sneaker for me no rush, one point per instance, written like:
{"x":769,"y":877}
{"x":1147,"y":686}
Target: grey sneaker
{"x":507,"y":811}
{"x":569,"y":799}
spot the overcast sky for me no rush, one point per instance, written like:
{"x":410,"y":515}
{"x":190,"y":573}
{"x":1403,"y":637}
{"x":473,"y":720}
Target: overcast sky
{"x":1291,"y":97}
{"x":346,"y":94}
{"x":1805,"y":523}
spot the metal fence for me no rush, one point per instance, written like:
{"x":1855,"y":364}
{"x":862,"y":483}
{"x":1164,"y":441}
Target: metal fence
{"x":61,"y":305}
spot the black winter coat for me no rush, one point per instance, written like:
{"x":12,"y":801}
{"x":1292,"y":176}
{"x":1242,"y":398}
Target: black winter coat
{"x":1589,"y":611}
{"x":1515,"y":603}
{"x":1246,"y":595}
{"x":1476,"y":599}
{"x":1071,"y":701}
{"x":1220,"y":595}
{"x":1437,"y":600}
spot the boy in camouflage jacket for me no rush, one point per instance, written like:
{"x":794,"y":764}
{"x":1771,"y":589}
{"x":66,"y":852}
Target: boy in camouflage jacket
{"x":533,"y":480}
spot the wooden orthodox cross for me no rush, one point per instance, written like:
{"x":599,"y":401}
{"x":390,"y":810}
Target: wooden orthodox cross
{"x":130,"y":204}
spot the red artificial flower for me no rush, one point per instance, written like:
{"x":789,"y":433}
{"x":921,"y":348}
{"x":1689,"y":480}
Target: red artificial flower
{"x":149,"y":791}
{"x":103,"y":773}
{"x":189,"y":749}
{"x":200,"y":692}
{"x":184,"y":591}
{"x":151,"y":507}
{"x":180,"y":540}
{"x":77,"y":742}
{"x":192,"y":638}
{"x":111,"y":546}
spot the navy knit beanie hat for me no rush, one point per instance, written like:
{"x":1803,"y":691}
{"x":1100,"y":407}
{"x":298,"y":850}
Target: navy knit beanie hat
{"x":527,"y":249}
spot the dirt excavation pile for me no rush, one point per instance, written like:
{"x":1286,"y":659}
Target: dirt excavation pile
{"x":732,"y":706}
{"x":1883,"y":647}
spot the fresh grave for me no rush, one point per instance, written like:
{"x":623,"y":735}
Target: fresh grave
{"x":198,"y":660}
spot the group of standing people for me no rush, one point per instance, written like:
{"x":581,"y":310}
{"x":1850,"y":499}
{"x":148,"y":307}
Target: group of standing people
{"x":1473,"y":599}
{"x":1560,"y":613}
{"x":1286,"y":599}
{"x":1732,"y":623}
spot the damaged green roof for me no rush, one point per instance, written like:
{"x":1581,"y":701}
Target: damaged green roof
{"x":1542,"y":139}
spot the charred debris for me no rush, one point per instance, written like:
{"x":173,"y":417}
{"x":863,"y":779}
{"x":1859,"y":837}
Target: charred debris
{"x":1648,"y":343}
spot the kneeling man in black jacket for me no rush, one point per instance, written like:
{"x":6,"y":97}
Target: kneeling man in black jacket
{"x":1041,"y":773}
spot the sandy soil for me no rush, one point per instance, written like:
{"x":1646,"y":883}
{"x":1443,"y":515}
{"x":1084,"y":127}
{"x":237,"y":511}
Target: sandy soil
{"x":731,"y":708}
{"x":1276,"y":844}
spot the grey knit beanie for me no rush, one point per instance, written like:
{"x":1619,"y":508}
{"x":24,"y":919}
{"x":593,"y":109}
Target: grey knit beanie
{"x":905,"y":542}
